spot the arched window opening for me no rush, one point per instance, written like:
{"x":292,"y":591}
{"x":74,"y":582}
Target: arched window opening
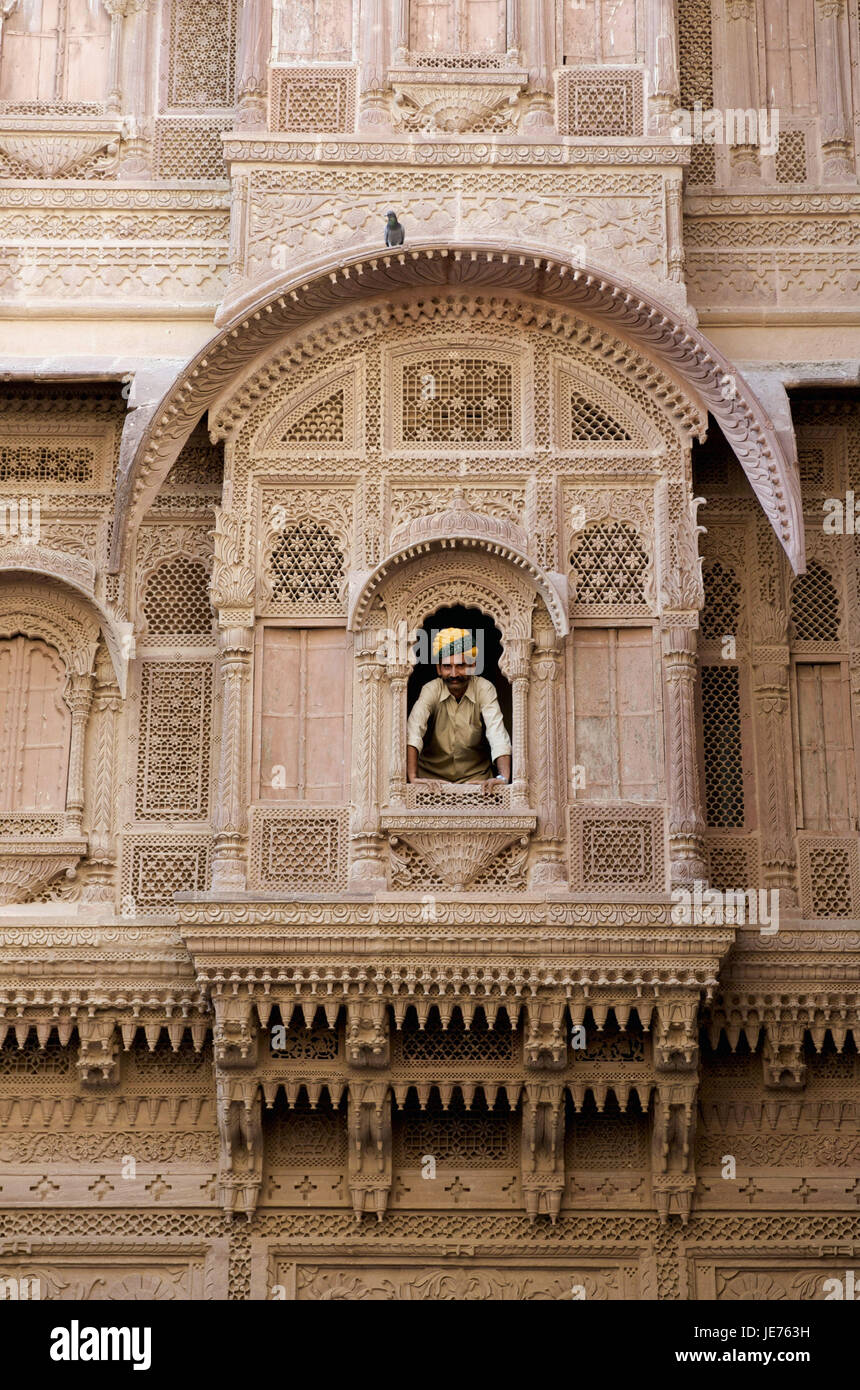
{"x":35,"y":727}
{"x":477,"y":761}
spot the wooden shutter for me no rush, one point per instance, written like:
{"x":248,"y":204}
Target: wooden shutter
{"x":36,"y":727}
{"x":304,"y":714}
{"x":616,"y":729}
{"x":825,"y":747}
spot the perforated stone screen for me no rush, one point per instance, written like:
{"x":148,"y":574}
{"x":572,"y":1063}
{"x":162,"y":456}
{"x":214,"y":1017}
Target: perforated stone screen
{"x":305,"y":571}
{"x":321,"y":100}
{"x":202,"y":64}
{"x":176,"y":602}
{"x":457,"y":400}
{"x":721,"y":719}
{"x":609,"y":564}
{"x":617,"y":848}
{"x":175,"y":721}
{"x":815,"y":606}
{"x":299,"y":850}
{"x":721,"y":612}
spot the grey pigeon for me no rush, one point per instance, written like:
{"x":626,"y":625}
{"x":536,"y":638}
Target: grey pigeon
{"x":395,"y":234}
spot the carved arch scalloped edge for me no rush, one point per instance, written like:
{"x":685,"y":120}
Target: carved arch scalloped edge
{"x":81,"y":608}
{"x":551,"y":588}
{"x":315,"y":289}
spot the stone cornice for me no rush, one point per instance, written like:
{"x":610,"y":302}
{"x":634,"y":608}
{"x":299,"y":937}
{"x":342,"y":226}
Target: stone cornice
{"x":479,"y":150}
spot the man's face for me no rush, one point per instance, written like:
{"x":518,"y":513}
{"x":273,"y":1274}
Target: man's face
{"x":456,"y":672}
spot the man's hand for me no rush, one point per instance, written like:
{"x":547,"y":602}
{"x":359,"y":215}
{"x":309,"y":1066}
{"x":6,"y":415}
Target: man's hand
{"x":491,"y":786}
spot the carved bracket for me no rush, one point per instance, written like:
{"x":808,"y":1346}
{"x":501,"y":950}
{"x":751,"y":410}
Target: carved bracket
{"x":369,"y":1122}
{"x":542,"y":1150}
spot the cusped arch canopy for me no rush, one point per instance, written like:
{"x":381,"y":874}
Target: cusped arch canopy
{"x":58,"y":589}
{"x":651,"y":327}
{"x":454,"y":531}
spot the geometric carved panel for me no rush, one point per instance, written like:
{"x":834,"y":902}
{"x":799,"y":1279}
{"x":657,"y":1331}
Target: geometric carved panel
{"x":455,"y":399}
{"x":829,"y":876}
{"x":456,"y":1138}
{"x":154,"y":867}
{"x":190,"y":147}
{"x":733,"y":861}
{"x":617,"y":849}
{"x":721,"y":721}
{"x":202,"y":65}
{"x":594,"y":102}
{"x":320,"y":100}
{"x":299,"y":849}
{"x":175,"y":720}
{"x":176,"y":603}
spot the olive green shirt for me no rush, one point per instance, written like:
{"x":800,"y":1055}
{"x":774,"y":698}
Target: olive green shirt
{"x":455,"y":750}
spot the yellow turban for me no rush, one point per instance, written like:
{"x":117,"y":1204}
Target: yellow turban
{"x":454,"y":641}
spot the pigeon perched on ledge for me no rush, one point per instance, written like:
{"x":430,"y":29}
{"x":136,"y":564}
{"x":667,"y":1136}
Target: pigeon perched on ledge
{"x":395,"y":234}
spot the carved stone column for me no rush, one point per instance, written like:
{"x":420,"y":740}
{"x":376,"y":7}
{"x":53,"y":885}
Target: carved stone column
{"x":398,"y":675}
{"x":540,"y":64}
{"x":663,"y":74}
{"x":686,"y":822}
{"x":773,"y":752}
{"x":514,"y":664}
{"x":547,"y":742}
{"x":512,"y":31}
{"x":400,"y":33}
{"x":373,"y":62}
{"x":255,"y":42}
{"x":233,"y":598}
{"x":136,"y":84}
{"x":675,"y":229}
{"x":742,"y":78}
{"x":833,"y":76}
{"x":105,"y":710}
{"x":79,"y":698}
{"x":367,"y":870}
{"x":673,"y":1117}
{"x":117,"y":11}
{"x":230,"y":821}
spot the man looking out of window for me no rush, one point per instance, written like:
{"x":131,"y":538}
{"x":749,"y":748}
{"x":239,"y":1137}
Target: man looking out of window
{"x":463,"y":708}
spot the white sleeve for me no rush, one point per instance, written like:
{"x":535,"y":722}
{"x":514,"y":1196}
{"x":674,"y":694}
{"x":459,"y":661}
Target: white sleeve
{"x":491,"y":713}
{"x":419,"y":716}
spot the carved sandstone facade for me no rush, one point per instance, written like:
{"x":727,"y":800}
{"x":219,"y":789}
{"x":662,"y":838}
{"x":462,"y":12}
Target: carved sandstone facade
{"x":274,"y":1022}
